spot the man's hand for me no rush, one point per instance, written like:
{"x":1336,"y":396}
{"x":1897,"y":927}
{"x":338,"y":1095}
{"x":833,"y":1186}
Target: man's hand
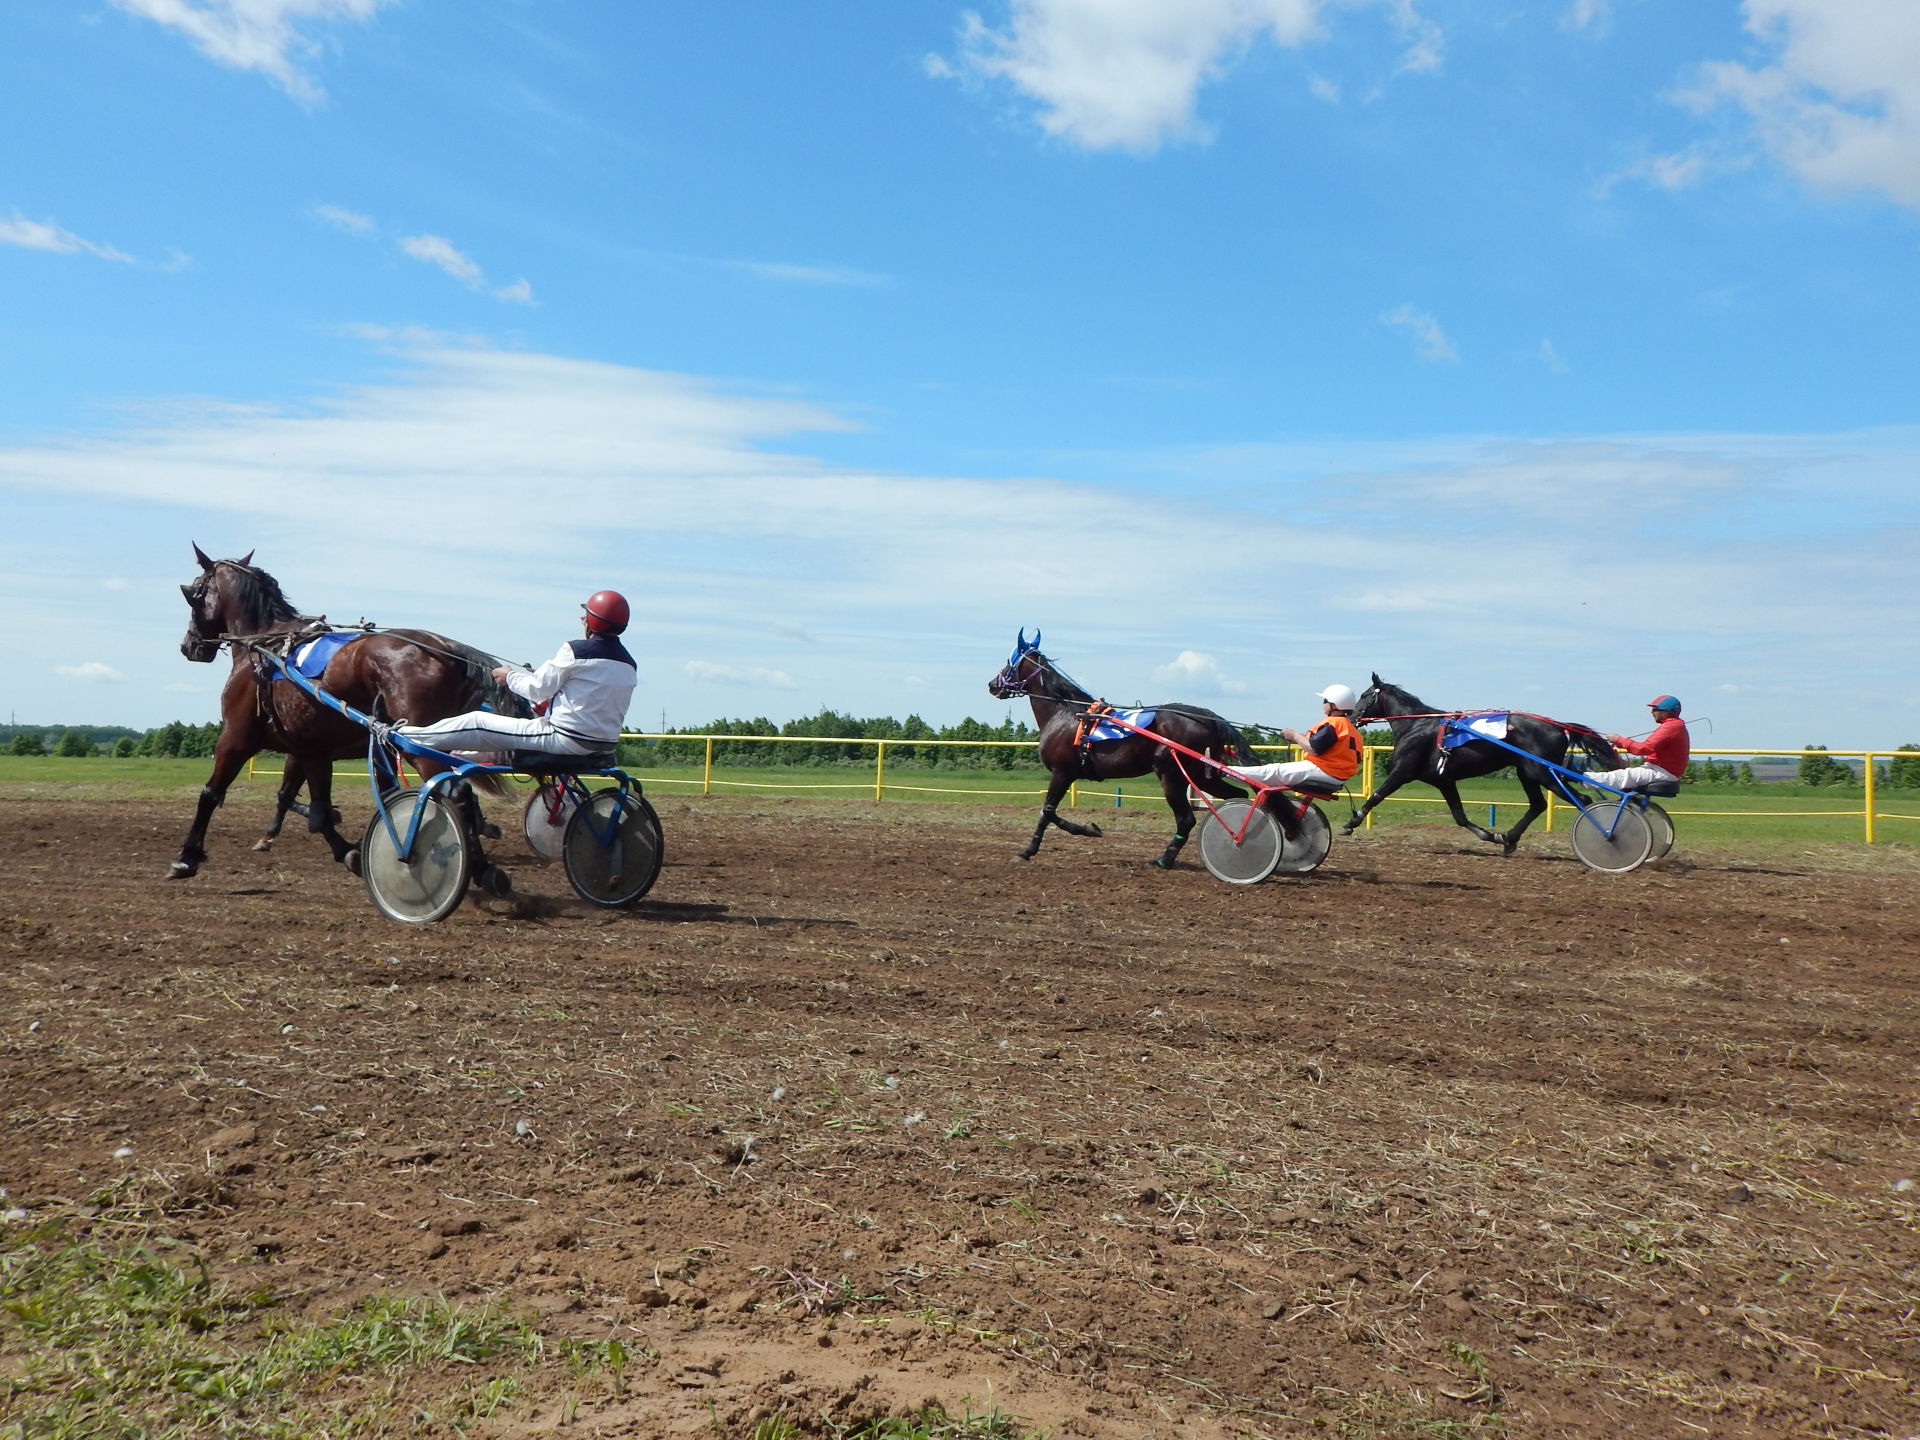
{"x":500,"y":673}
{"x":1293,"y":737}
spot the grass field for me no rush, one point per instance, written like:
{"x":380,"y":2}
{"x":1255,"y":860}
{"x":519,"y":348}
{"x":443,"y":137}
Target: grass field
{"x":1716,"y":814}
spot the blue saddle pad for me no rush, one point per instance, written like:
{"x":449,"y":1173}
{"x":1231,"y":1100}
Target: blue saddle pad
{"x":1465,"y":729}
{"x":311,"y":658}
{"x":1106,"y":730}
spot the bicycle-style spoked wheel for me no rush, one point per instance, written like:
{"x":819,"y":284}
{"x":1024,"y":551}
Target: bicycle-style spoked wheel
{"x":1256,"y":855}
{"x":1625,"y":849}
{"x":1662,"y":826}
{"x":544,"y":822}
{"x":427,"y":884}
{"x":1303,"y":853}
{"x":613,"y":848}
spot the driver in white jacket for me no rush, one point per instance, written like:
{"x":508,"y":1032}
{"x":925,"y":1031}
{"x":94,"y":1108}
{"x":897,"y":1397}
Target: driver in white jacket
{"x":580,"y":696}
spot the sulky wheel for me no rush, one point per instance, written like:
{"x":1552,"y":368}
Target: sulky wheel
{"x":1626,"y":849}
{"x":1662,"y":827}
{"x":613,"y":848}
{"x":1303,"y":853}
{"x":544,"y":822}
{"x":429,"y":882}
{"x":1258,"y":852}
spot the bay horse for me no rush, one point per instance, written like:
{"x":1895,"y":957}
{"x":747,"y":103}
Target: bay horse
{"x":415,"y":675}
{"x":1059,"y":704}
{"x":1417,"y":755}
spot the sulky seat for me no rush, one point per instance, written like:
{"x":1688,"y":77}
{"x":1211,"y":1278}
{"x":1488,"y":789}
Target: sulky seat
{"x":1660,"y":789}
{"x":540,"y":762}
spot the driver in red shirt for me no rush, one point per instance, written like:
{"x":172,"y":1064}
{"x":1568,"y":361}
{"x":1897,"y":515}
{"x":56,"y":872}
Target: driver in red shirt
{"x":1665,"y":750}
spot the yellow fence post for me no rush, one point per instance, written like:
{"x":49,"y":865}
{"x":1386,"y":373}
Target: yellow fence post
{"x":1366,"y":778}
{"x":879,"y":770}
{"x":706,"y":776}
{"x":1868,"y":773}
{"x":1549,"y":809}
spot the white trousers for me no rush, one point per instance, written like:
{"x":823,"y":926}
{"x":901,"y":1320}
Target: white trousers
{"x":1634,"y":777}
{"x":1289,"y":772}
{"x":484,"y":730}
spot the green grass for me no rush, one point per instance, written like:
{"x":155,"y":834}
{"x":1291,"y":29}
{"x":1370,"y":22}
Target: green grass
{"x":136,"y":1339}
{"x":1704,"y":814}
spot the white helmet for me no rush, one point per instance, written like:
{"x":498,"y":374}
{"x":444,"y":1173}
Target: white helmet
{"x":1338,"y":696}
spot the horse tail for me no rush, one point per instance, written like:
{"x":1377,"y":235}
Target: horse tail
{"x":1227,"y":736}
{"x":1596,"y":747}
{"x":487,"y":693}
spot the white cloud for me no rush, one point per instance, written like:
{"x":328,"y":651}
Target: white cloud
{"x":1428,"y":337}
{"x":1192,"y":672}
{"x":45,"y":235}
{"x":518,"y":293}
{"x":1126,"y":74}
{"x":259,"y":35}
{"x":1589,"y":15}
{"x":93,"y":670}
{"x":351,"y":221}
{"x":438,"y":251}
{"x":811,"y":274}
{"x":1839,"y":104}
{"x":702,"y":503}
{"x":1549,"y":355}
{"x":750,"y":676}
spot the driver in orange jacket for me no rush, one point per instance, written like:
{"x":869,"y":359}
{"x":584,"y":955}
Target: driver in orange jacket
{"x":1330,"y":752}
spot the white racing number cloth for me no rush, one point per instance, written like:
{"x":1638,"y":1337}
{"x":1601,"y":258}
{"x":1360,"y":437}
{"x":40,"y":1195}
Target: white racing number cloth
{"x":586,"y":686}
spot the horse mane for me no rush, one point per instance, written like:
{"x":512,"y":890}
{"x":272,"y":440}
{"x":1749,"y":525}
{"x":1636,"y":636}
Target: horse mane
{"x":1075,"y":691}
{"x":261,"y":601}
{"x":1400,"y":693}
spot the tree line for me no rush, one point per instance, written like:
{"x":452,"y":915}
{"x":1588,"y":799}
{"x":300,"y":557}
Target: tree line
{"x":178,"y":739}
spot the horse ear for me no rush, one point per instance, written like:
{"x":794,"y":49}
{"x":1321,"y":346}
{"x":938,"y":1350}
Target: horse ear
{"x":1376,"y":678}
{"x":1020,"y":643}
{"x":1036,"y":637}
{"x":187,"y":590}
{"x":246,"y":559}
{"x":201,"y":556}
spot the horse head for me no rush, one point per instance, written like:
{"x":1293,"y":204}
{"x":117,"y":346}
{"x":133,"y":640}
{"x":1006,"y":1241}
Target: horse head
{"x":1021,"y":666}
{"x":226,"y":598}
{"x":1383,"y":701}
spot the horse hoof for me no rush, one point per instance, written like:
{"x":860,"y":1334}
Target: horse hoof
{"x":1093,"y":828}
{"x":489,"y":831}
{"x":1161,"y":864}
{"x":352,"y":860}
{"x":263,"y":844}
{"x":494,"y":881}
{"x":180,"y":870}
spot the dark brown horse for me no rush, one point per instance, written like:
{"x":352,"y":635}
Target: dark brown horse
{"x":1059,"y":704}
{"x":1417,"y":755}
{"x":412,"y":674}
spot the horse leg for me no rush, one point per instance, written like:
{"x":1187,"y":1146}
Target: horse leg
{"x":1536,"y":807}
{"x":487,"y":876}
{"x":1049,"y":815}
{"x":323,"y":820}
{"x":233,"y":751}
{"x":1395,"y":779}
{"x":1450,"y":792}
{"x":1173,"y":785}
{"x":291,"y":779}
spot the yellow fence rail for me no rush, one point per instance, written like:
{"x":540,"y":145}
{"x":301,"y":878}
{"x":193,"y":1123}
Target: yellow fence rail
{"x":881,"y":786}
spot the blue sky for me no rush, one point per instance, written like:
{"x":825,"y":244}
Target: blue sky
{"x":1547,"y":354}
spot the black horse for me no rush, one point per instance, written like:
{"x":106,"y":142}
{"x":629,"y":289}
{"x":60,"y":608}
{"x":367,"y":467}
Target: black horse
{"x":1058,"y":707}
{"x":1417,"y":755}
{"x":416,"y":674}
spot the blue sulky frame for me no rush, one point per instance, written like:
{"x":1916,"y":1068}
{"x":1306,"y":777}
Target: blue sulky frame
{"x":383,"y":776}
{"x":1606,"y":816}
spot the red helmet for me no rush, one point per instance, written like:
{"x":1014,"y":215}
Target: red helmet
{"x":607,"y":612}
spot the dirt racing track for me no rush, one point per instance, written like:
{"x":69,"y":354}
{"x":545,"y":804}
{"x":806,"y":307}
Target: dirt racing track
{"x":854,"y":1112}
